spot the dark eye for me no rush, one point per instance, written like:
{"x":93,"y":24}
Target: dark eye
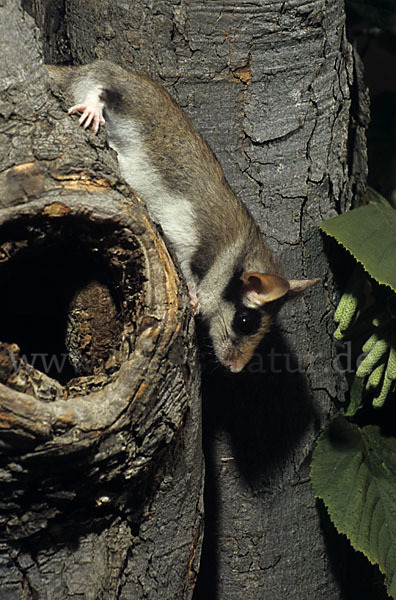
{"x":246,"y":321}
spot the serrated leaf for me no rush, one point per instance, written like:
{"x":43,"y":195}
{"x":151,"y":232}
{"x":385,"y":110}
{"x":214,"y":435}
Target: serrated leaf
{"x":354,"y":472}
{"x":369,"y":234}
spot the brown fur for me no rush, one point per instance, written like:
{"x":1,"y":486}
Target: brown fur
{"x":227,"y":241}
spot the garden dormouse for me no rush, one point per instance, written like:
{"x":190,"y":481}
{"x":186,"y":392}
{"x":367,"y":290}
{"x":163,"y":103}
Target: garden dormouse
{"x":233,"y":279}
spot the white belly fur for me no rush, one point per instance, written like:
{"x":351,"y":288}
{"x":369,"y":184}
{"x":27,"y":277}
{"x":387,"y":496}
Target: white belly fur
{"x":172,"y":211}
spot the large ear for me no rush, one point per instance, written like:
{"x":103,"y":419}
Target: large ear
{"x":259,"y":288}
{"x":297,"y":286}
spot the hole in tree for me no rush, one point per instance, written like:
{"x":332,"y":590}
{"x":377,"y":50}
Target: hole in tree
{"x":34,"y":304}
{"x":42,"y":271}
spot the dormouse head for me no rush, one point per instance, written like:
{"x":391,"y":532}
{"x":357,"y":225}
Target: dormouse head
{"x":236,"y":336}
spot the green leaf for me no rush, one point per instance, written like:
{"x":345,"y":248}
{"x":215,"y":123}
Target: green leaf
{"x":369,"y":234}
{"x":354,"y":472}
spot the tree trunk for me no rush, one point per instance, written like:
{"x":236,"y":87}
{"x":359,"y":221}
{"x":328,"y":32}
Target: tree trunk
{"x":101,"y":460}
{"x":275,"y":90}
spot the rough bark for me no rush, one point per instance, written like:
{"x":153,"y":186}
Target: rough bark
{"x":273,"y":87}
{"x":101,"y":473}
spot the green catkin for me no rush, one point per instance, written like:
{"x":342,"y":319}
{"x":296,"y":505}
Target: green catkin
{"x":346,"y":316}
{"x":369,"y":345}
{"x":374,"y":379}
{"x":347,"y":309}
{"x":391,"y":368}
{"x":389,"y":378}
{"x":372,"y":358}
{"x":344,"y":300}
{"x":378,"y":401}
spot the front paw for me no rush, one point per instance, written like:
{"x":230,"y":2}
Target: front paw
{"x":193,"y":298}
{"x":91,"y":115}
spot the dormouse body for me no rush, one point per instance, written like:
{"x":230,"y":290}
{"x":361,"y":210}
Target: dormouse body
{"x":233,"y":279}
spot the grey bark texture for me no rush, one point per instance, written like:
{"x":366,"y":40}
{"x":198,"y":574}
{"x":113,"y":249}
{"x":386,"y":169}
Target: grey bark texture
{"x":275,"y":89}
{"x":101,"y":474}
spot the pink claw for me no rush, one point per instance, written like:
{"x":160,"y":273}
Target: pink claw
{"x":91,"y":115}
